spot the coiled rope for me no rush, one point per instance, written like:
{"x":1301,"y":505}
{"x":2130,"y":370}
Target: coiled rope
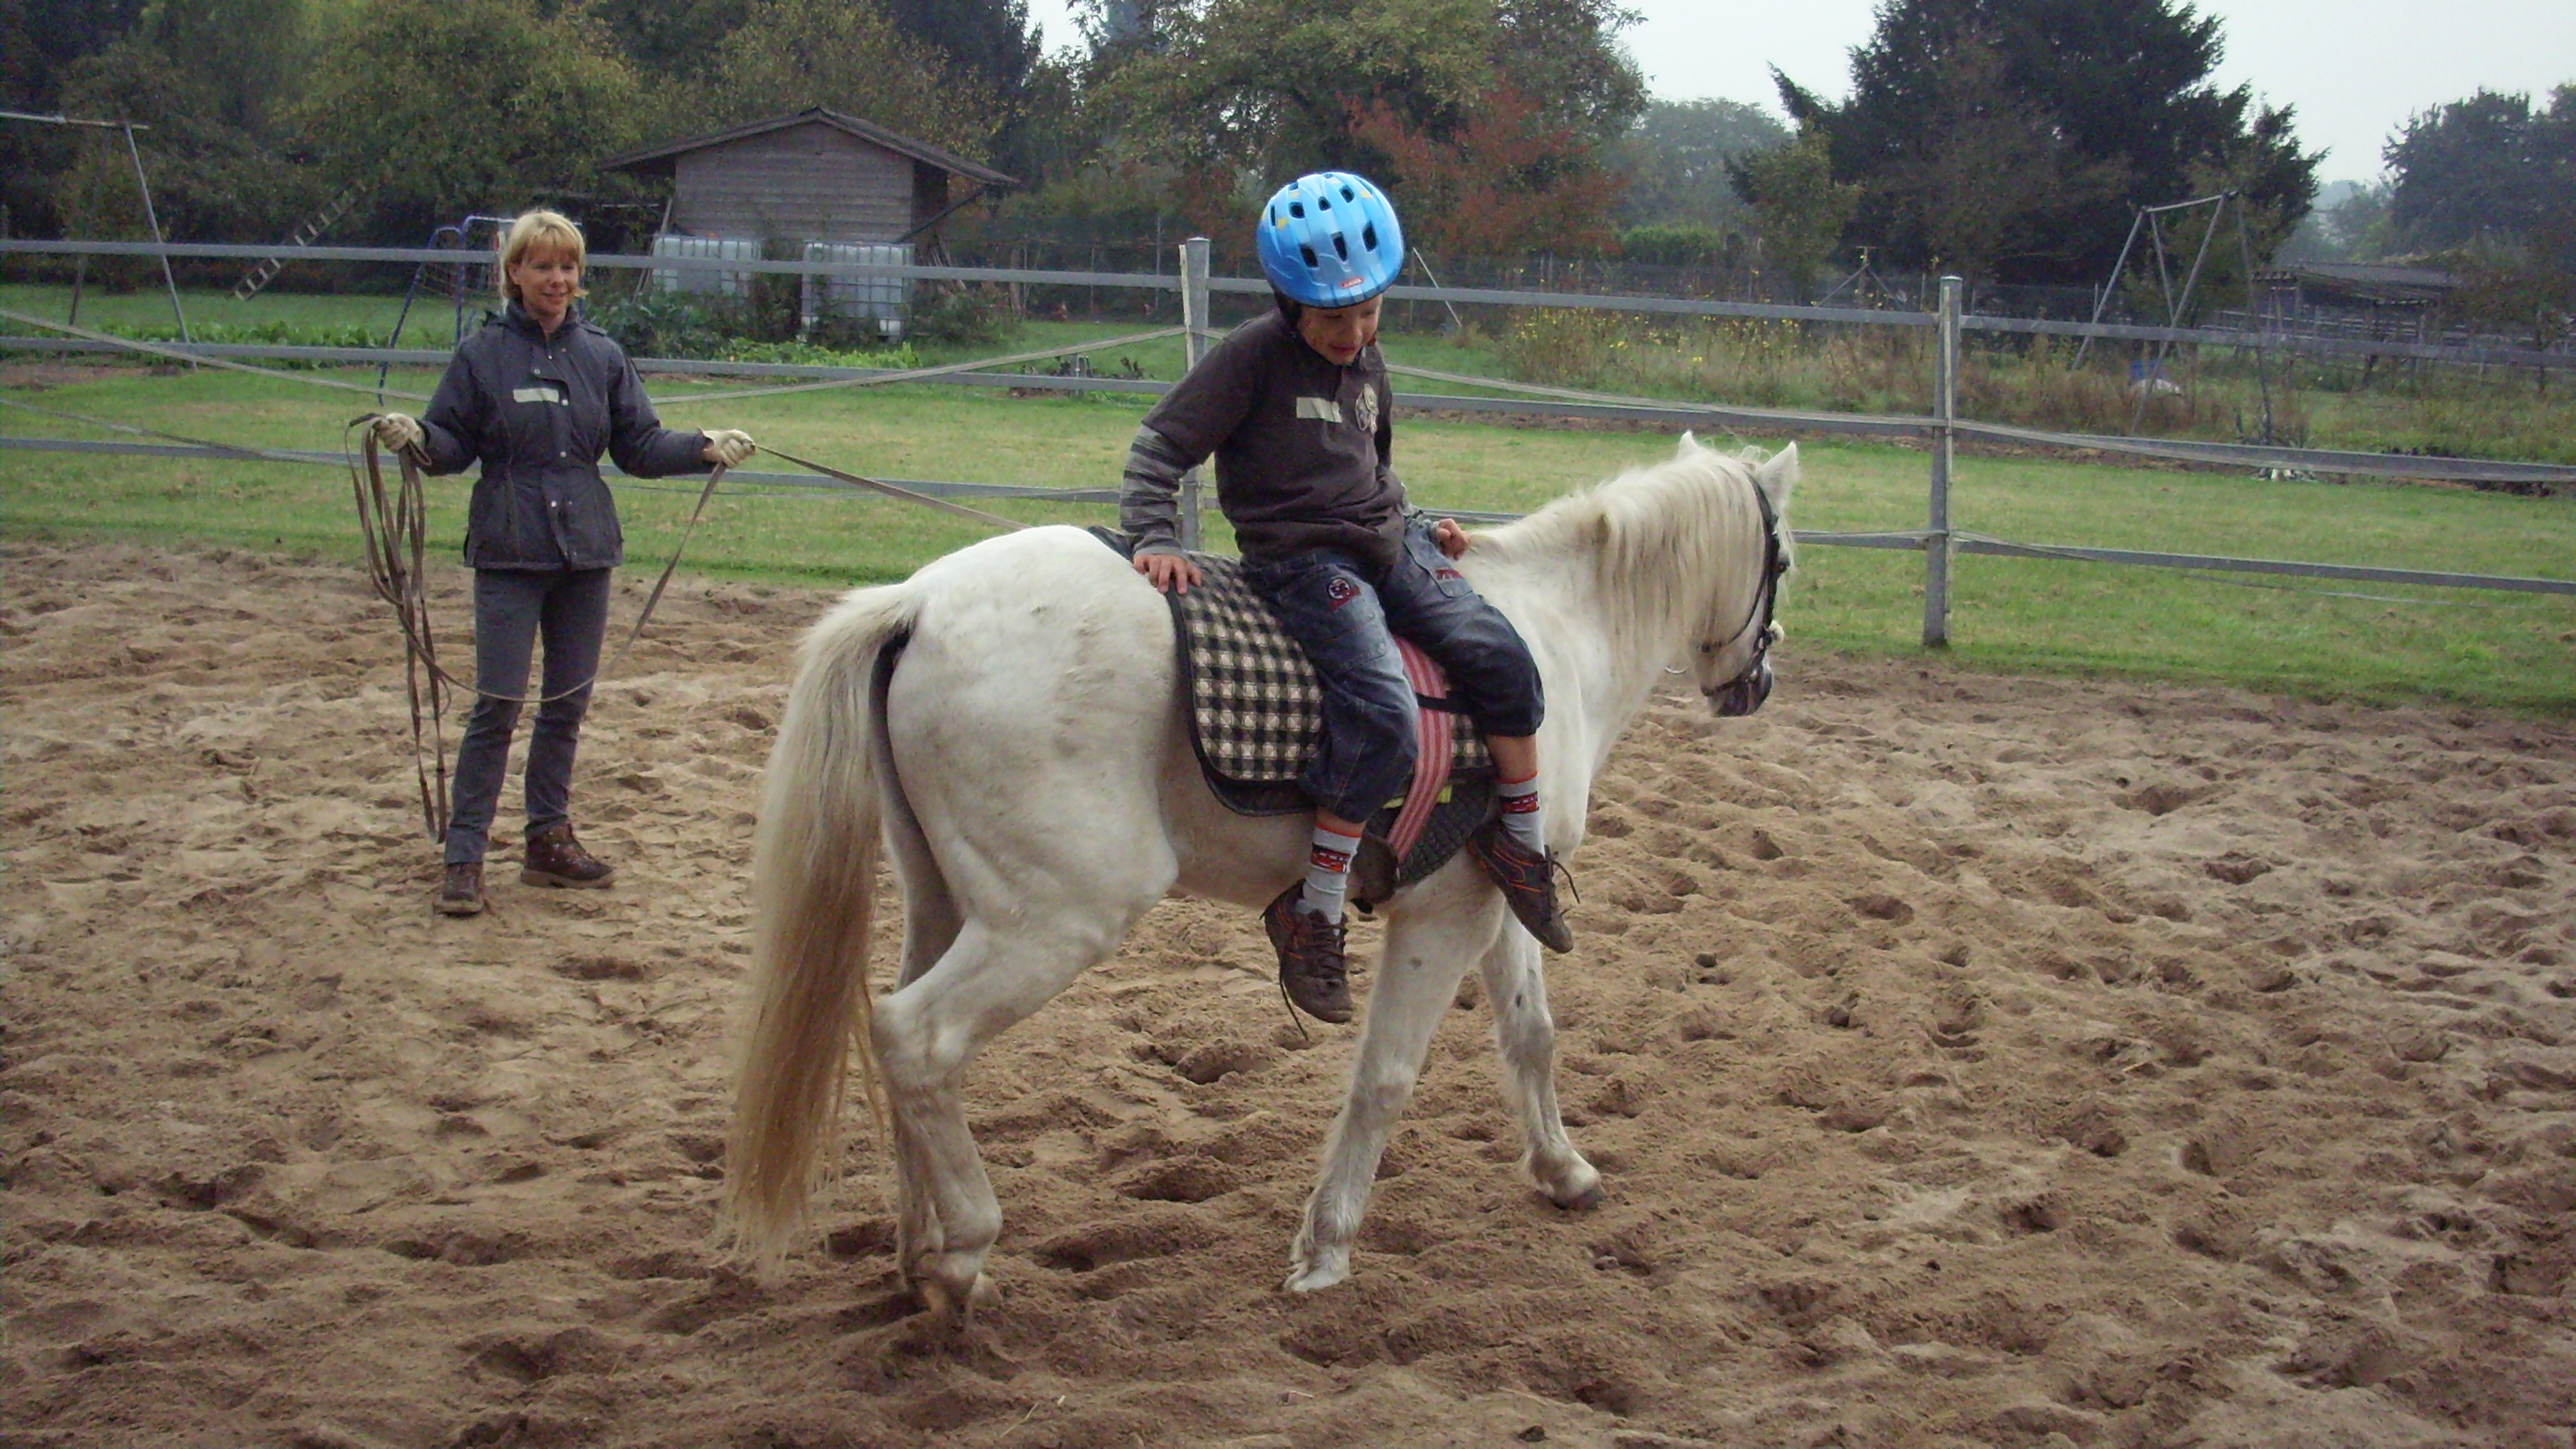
{"x":393,"y":527}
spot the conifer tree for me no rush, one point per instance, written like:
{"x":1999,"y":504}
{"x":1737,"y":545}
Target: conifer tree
{"x":2017,"y":135}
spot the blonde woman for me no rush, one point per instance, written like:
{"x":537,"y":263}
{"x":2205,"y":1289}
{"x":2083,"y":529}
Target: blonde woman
{"x":536,"y":397}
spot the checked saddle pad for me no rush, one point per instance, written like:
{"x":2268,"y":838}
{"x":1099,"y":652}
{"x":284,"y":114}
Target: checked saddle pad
{"x":1256,"y":713}
{"x":1256,"y":710}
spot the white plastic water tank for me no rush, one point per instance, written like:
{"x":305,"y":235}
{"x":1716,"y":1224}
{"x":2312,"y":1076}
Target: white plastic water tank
{"x":699,"y":282}
{"x":880,"y":298}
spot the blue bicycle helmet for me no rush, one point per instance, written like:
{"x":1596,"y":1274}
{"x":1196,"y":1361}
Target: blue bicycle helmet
{"x":1330,"y":239}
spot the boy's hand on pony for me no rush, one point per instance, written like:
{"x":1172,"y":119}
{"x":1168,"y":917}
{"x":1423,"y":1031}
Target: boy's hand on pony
{"x":1169,"y":571}
{"x":1452,"y":539}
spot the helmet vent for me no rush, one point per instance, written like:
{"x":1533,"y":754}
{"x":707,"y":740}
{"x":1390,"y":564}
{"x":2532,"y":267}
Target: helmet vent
{"x":1368,"y":236}
{"x":1297,"y":209}
{"x":1341,"y":247}
{"x":1309,"y":253}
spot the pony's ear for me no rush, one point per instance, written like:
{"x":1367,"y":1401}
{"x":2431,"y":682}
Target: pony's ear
{"x":1689,"y":445}
{"x":1777,"y":474}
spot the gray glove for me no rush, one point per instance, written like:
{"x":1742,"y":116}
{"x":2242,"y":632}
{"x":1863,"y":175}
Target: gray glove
{"x":727,"y":447}
{"x":401,"y":432}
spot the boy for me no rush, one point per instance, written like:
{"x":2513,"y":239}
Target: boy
{"x":1295,"y":407}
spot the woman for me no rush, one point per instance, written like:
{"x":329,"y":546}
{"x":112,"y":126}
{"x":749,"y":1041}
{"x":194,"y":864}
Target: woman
{"x":536,"y":396}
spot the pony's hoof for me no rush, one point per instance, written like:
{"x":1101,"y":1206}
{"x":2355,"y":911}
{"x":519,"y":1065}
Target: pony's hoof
{"x":942,"y":1299}
{"x":1316,"y":1274}
{"x":1579,"y":1191}
{"x":1572,"y":1184}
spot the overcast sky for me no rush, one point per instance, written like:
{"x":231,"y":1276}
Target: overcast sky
{"x":2354,"y":69}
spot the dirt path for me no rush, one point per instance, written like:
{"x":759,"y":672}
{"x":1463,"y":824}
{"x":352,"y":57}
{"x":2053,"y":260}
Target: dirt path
{"x":1974,"y":1061}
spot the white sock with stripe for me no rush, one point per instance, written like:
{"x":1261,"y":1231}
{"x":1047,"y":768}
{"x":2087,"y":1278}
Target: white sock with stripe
{"x":1523,"y":821}
{"x":1328,"y":872}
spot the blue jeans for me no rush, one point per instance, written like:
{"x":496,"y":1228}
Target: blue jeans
{"x":1347,"y":615}
{"x":512,"y":607}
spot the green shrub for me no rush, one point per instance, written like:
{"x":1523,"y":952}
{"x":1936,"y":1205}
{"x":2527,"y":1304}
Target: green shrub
{"x":1678,"y":245}
{"x":813,"y":354}
{"x":254,"y":334}
{"x":649,"y":322}
{"x":963,"y":315}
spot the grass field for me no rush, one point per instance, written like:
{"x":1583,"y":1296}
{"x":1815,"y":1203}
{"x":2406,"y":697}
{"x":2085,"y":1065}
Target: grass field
{"x":2317,"y":402}
{"x":148,"y":312}
{"x":2369,"y":641}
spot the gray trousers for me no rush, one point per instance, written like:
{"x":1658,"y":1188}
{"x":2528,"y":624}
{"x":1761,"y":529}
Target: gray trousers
{"x":512,"y":609}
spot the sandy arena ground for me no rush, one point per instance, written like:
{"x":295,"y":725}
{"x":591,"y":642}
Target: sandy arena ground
{"x":1975,"y":1061}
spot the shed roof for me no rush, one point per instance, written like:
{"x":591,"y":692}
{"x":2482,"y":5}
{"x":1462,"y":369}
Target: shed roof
{"x":661,"y":159}
{"x":2371,"y":281}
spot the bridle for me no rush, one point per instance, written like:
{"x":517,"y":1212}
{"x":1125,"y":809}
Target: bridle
{"x":1744,"y":694}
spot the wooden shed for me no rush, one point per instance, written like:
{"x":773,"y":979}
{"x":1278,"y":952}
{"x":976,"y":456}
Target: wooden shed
{"x":810,"y":176}
{"x":2358,"y":284}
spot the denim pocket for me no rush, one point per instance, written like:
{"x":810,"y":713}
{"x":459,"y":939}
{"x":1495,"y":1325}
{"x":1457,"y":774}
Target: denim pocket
{"x":1424,"y":549}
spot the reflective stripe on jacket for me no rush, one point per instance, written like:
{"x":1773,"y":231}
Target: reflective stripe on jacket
{"x":537,"y":412}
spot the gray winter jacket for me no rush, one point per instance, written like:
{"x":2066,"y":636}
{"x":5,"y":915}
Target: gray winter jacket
{"x":538,"y":411}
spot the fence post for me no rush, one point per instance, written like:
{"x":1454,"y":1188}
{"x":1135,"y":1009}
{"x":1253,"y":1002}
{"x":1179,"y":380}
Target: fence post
{"x":1194,"y":316}
{"x":1945,"y":411}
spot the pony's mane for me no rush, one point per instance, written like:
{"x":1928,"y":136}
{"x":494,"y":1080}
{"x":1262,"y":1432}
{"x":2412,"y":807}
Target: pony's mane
{"x":1679,"y":510}
{"x":1685,"y":522}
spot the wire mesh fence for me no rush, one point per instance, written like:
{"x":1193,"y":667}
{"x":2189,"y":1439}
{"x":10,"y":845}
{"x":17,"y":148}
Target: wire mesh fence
{"x":1687,"y":335}
{"x":642,"y":279}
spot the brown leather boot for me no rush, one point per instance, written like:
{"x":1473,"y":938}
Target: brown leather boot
{"x":1312,"y":969}
{"x":460,"y":891}
{"x":556,"y":859}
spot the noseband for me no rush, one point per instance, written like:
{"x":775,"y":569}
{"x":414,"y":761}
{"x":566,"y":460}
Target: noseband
{"x":1745,"y":693}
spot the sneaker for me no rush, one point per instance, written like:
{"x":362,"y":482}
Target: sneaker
{"x":556,"y":859}
{"x":460,"y":891}
{"x":1528,"y":882}
{"x":1311,"y":968}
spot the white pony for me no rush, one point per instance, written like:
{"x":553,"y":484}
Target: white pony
{"x":1008,"y":722}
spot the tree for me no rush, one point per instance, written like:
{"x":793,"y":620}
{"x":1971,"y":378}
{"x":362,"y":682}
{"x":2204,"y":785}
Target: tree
{"x":207,"y":79}
{"x":2109,"y":99}
{"x":988,"y":39}
{"x":248,"y":53}
{"x":991,"y":47}
{"x":1506,"y":181}
{"x":445,"y":107}
{"x":1676,"y":157}
{"x":2485,"y":166}
{"x":851,"y":56}
{"x":1565,"y":55}
{"x":1275,"y":87}
{"x":1991,"y":179}
{"x":2491,"y":183}
{"x":670,"y":39}
{"x":1798,"y":205}
{"x":1052,"y":134}
{"x":1239,"y":95}
{"x":39,"y":40}
{"x":1269,"y":87}
{"x":202,"y":76}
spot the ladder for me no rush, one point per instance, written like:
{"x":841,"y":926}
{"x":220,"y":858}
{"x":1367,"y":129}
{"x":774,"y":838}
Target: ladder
{"x":266,"y":272}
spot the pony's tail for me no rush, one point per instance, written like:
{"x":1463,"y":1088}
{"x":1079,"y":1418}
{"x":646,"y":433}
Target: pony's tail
{"x":813,"y":875}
